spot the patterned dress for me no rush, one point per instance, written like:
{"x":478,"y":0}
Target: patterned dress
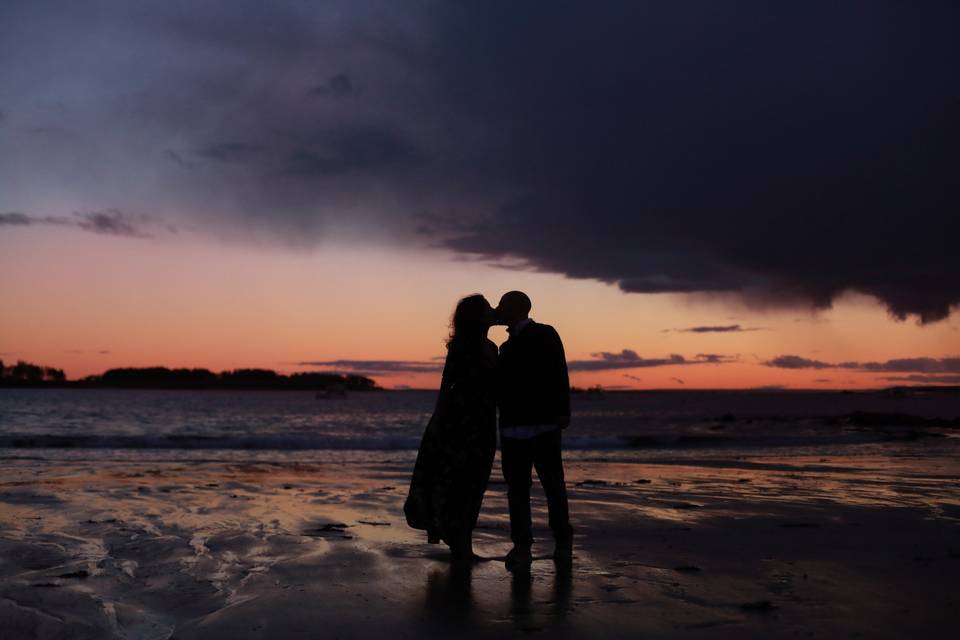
{"x":457,"y":449}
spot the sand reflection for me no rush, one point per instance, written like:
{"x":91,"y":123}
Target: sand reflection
{"x":701,"y":543}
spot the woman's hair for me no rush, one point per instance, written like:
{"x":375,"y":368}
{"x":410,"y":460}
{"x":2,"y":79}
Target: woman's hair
{"x":468,"y":328}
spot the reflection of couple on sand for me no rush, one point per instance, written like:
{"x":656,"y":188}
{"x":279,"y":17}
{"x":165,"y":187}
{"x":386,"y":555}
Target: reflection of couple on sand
{"x":527,"y":383}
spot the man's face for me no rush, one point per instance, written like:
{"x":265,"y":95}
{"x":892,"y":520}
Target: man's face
{"x":496,"y":315}
{"x":489,"y":314}
{"x":505,"y":313}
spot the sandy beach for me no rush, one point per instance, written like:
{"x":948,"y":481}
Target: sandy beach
{"x":841,"y":547}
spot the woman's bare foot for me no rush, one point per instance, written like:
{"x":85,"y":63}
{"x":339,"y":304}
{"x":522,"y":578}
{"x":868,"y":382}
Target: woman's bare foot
{"x":461,"y":549}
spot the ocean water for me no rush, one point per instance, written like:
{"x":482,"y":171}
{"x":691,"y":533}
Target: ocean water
{"x":53,"y":424}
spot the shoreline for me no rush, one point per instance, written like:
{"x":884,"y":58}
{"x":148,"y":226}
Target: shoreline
{"x":576,"y":391}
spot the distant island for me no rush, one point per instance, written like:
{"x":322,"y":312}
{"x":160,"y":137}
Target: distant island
{"x":25,"y":374}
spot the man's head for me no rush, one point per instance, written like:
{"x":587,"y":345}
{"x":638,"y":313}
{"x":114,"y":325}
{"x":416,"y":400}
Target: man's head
{"x":514,"y":306}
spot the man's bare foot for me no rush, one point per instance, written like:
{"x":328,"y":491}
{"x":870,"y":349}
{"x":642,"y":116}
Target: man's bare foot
{"x":461,"y":560}
{"x":519,"y":558}
{"x":563,"y":551}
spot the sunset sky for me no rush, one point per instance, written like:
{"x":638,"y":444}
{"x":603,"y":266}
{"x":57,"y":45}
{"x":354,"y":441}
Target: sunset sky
{"x":694,"y":194}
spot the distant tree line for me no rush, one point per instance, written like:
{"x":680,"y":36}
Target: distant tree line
{"x":26,"y":374}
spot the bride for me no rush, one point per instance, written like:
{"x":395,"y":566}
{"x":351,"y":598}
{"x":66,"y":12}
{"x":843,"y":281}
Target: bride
{"x":459,"y":442}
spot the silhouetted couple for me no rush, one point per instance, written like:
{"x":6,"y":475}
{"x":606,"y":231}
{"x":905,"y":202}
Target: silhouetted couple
{"x":527,"y":382}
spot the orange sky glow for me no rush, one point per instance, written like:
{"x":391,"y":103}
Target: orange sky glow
{"x":88,"y":302}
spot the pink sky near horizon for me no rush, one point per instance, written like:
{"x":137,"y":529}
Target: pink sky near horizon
{"x":86,"y":302}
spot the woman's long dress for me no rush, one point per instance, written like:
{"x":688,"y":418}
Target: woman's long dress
{"x":456,"y":452}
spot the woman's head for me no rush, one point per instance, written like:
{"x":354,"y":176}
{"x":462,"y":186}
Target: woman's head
{"x":471,"y":320}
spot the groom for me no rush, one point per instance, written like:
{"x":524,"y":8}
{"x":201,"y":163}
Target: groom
{"x":533,"y":396}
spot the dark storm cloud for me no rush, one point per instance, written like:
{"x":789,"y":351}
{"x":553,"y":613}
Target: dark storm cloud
{"x":350,"y":149}
{"x":109,"y":222}
{"x":14,"y":218}
{"x":899,"y":365}
{"x":337,"y":86}
{"x":113,"y":223}
{"x":177,"y":158}
{"x":630,"y":359}
{"x":377,"y":367}
{"x":779,"y":153}
{"x":231,"y":152}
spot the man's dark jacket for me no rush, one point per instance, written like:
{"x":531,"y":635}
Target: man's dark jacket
{"x":532,"y":383}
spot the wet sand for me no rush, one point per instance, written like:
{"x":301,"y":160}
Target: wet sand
{"x":866,"y":546}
